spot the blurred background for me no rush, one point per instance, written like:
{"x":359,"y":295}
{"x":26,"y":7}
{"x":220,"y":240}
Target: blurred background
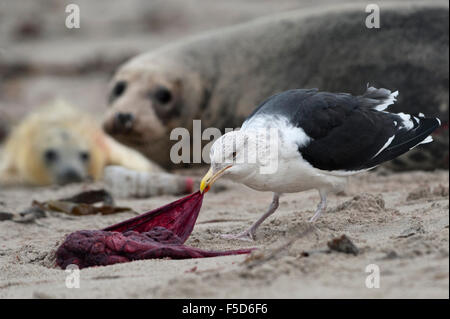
{"x":40,"y":58}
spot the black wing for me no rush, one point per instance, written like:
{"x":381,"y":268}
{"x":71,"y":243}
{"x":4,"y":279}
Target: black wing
{"x":348,"y":132}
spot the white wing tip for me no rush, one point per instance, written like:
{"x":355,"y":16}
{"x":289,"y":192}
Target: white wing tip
{"x":429,"y":139}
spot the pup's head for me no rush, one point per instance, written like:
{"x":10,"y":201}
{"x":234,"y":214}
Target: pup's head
{"x":61,"y":156}
{"x":150,"y":96}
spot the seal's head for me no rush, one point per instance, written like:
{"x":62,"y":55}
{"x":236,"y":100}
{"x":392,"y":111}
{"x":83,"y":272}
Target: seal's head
{"x":56,"y":144}
{"x":62,"y":156}
{"x":149,"y":96}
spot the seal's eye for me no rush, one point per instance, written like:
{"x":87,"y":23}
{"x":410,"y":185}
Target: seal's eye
{"x":50,"y":156}
{"x":234,"y":155}
{"x":163,"y":95}
{"x":119,"y":88}
{"x":85,"y":156}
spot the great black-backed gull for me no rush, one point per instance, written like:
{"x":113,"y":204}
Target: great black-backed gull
{"x":320,"y":139}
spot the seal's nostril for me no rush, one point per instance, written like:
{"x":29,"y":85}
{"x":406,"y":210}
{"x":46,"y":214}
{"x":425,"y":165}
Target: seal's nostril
{"x":70,"y":175}
{"x":124,"y":120}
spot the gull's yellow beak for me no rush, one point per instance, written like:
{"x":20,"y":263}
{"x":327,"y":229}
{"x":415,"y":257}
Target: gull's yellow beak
{"x":210,"y":178}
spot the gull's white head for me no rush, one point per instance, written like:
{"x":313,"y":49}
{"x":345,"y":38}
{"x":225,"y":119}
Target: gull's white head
{"x":237,"y":154}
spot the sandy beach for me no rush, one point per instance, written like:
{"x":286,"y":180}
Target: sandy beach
{"x":398,"y":222}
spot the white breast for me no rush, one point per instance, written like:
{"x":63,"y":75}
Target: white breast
{"x":291,"y":172}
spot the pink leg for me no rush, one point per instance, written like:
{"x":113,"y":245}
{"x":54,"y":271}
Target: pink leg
{"x":249,"y":234}
{"x":321,"y":207}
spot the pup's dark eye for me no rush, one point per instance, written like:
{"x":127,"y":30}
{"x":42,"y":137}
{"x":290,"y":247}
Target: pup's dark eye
{"x":163,"y":95}
{"x":234,"y":155}
{"x":50,"y":156}
{"x":85,"y":156}
{"x":119,"y":88}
